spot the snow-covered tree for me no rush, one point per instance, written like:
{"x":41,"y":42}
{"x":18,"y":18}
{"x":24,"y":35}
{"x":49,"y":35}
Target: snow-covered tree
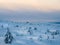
{"x":17,"y":25}
{"x":2,"y":26}
{"x":35,"y":28}
{"x":8,"y":37}
{"x":48,"y":30}
{"x":40,"y":38}
{"x":30,"y":31}
{"x":47,"y":37}
{"x":56,"y":32}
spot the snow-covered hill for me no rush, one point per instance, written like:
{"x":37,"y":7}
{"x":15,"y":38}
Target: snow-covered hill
{"x":26,"y":33}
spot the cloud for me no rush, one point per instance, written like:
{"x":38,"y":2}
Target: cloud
{"x":32,"y":16}
{"x":44,"y":5}
{"x":30,"y":10}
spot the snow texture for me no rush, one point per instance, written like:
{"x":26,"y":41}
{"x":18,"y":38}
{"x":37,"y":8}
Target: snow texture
{"x":47,"y":33}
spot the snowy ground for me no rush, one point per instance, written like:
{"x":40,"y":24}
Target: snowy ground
{"x":26,"y":33}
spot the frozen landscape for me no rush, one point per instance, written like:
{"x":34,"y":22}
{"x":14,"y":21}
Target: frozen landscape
{"x":29,"y":22}
{"x":27,"y":33}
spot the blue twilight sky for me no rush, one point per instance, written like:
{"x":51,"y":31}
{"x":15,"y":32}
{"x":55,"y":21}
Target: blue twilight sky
{"x":30,"y":10}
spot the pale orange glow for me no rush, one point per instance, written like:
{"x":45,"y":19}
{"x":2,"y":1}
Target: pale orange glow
{"x":43,"y":5}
